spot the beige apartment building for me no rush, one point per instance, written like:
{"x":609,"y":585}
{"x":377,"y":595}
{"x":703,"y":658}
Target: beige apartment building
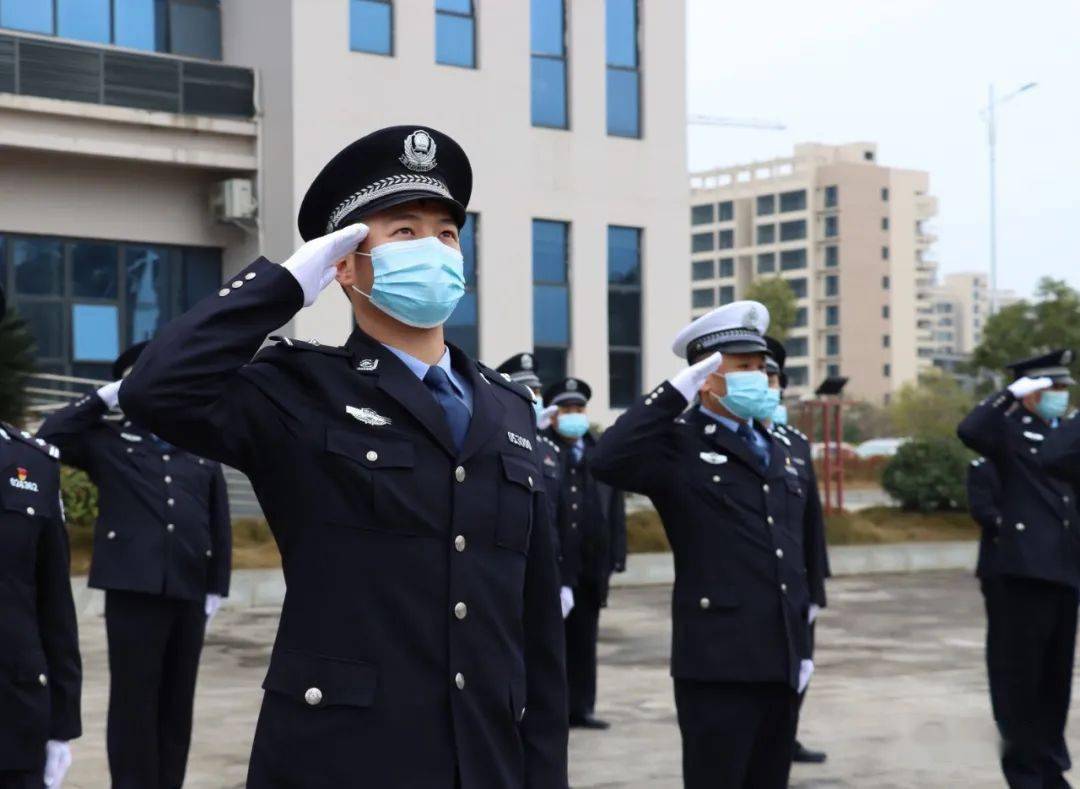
{"x":148,"y":150}
{"x":962,"y":303}
{"x":849,"y":236}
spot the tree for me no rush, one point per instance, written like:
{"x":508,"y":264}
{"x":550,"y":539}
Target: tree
{"x":16,"y":361}
{"x":930,"y":409}
{"x":778,"y":297}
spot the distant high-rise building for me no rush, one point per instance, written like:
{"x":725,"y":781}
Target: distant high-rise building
{"x":849,"y":237}
{"x":962,"y":305}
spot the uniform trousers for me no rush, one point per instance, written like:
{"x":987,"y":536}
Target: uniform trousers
{"x":13,"y":779}
{"x":582,"y":631}
{"x":736,"y":735}
{"x":1030,"y":644}
{"x":154,"y":646}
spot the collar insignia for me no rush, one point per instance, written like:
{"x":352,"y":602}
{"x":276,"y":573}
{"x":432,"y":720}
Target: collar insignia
{"x":1033,"y":436}
{"x":714,"y":458}
{"x":518,"y":441}
{"x":367,"y":365}
{"x":419,"y":153}
{"x":367,"y":416}
{"x":130,"y":437}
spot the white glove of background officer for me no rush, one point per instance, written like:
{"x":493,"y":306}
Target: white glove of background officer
{"x":690,"y":380}
{"x":545,"y":417}
{"x":313,"y":264}
{"x":57,"y":762}
{"x":110,"y":393}
{"x":566,"y":597}
{"x":1022,"y":387}
{"x":806,"y":670}
{"x":213,"y":603}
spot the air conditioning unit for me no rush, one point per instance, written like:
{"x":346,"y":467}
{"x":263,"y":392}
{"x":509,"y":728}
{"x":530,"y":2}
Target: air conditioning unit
{"x":233,"y":200}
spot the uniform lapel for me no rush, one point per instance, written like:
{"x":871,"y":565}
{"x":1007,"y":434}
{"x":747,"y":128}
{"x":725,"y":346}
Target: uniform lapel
{"x":487,"y":412}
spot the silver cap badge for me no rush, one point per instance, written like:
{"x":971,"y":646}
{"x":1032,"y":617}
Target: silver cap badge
{"x":419,"y":153}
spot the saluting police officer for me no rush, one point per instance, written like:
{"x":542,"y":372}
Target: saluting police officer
{"x":421,"y":641}
{"x":593,"y":542}
{"x":162,"y":552}
{"x":734,"y":513}
{"x":1030,"y":571}
{"x":522,"y":369}
{"x":817,"y":556}
{"x":40,"y":668}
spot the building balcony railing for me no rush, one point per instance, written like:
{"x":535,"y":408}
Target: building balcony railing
{"x":99,"y":75}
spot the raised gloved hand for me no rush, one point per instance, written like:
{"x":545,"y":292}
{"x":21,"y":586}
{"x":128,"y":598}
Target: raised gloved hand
{"x":806,"y":670}
{"x":313,"y":264}
{"x":57,"y":762}
{"x":110,"y":394}
{"x":1022,"y":387}
{"x":812,"y":614}
{"x":544,"y":422}
{"x":566,"y":597}
{"x":690,"y":380}
{"x":213,"y":603}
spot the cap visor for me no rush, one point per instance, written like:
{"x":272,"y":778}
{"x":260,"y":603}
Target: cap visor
{"x":457,"y":210}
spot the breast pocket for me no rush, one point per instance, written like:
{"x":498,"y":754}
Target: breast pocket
{"x":320,"y":682}
{"x":516,"y":490}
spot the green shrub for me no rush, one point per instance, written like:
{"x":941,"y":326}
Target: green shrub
{"x":80,"y":498}
{"x":928,"y":475}
{"x":645,"y":532}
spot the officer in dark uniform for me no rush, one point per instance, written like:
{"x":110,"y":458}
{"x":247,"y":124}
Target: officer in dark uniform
{"x":1031,"y":574}
{"x":40,"y":669}
{"x":734,"y":512}
{"x":593,"y":542}
{"x":817,"y":555}
{"x":420,"y":642}
{"x":162,"y":549}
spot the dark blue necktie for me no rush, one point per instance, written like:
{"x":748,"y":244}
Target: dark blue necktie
{"x":747,"y":434}
{"x":457,"y":413}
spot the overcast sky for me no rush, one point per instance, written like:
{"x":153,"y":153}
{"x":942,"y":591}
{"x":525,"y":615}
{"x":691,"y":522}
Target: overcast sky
{"x":912,"y":76}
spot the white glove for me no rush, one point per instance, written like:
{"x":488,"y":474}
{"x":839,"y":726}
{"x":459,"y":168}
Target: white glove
{"x":544,"y":422}
{"x":110,"y":394}
{"x":57,"y":762}
{"x":690,"y":380}
{"x":812,"y":614}
{"x":213,"y":603}
{"x":806,"y":670}
{"x":566,"y":597}
{"x":1022,"y":387}
{"x":313,"y":264}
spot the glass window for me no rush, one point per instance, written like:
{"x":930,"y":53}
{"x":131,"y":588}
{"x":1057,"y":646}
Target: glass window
{"x":624,"y":255}
{"x":38,"y":265}
{"x":727,"y":294}
{"x":134,"y":24}
{"x":702,"y":242}
{"x":95,"y":332}
{"x":702,"y":214}
{"x":623,"y":69}
{"x":551,"y":315}
{"x":624,"y":314}
{"x":800,"y":317}
{"x":766,"y":204}
{"x":885,"y":311}
{"x":549,"y":250}
{"x":766,"y":263}
{"x":547,"y":19}
{"x":832,"y":226}
{"x":766,"y":234}
{"x":149,"y":305}
{"x":195,"y":28}
{"x":371,"y":26}
{"x":703,"y":298}
{"x":624,"y":372}
{"x":832,"y":315}
{"x":886,"y":370}
{"x":791,"y":259}
{"x":703,"y":269}
{"x":45,"y":320}
{"x":884,"y":223}
{"x":885,"y":341}
{"x":793,"y":201}
{"x":885,"y":193}
{"x":624,"y":318}
{"x":85,"y":20}
{"x":95,"y":272}
{"x":727,"y":267}
{"x":884,"y":253}
{"x":726,"y":210}
{"x":832,"y":256}
{"x":798,"y":287}
{"x":832,"y":285}
{"x":455,"y":33}
{"x":34,"y":16}
{"x":797,"y":376}
{"x":551,"y":296}
{"x":726,"y":239}
{"x":832,"y":196}
{"x":885,"y":282}
{"x":795,"y":346}
{"x":793,"y":231}
{"x":832,"y":371}
{"x":463,"y":326}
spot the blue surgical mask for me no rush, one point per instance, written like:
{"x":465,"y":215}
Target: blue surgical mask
{"x":746,"y":389}
{"x":779,"y":416}
{"x":572,"y":425}
{"x":538,"y":407}
{"x":1053,"y":404}
{"x":418,"y":282}
{"x":768,"y":405}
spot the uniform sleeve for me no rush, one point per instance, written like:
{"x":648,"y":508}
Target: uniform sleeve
{"x":637,"y":453}
{"x":814,"y":542}
{"x":71,"y":429}
{"x":545,"y":727}
{"x":187,"y":385}
{"x":983,"y":495}
{"x":1061,"y":452}
{"x":983,"y":430}
{"x":617,"y":519}
{"x":220,"y":536}
{"x":59,"y":631}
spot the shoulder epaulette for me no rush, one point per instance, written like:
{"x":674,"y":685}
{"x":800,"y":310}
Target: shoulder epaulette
{"x":503,"y":380}
{"x":784,"y":439}
{"x":308,"y":345}
{"x":24,"y":437}
{"x":549,"y":442}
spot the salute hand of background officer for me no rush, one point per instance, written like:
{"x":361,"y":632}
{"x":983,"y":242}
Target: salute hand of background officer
{"x":1024,"y":386}
{"x":57,"y":762}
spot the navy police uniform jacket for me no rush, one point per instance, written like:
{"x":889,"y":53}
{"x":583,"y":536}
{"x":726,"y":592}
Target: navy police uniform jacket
{"x":1038,"y":536}
{"x":741,"y":596}
{"x":549,"y":453}
{"x":421,"y":638}
{"x":984,"y":504}
{"x":40,"y":670}
{"x":163,"y":524}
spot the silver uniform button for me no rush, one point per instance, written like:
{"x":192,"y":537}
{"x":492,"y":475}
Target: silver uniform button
{"x":1020,"y":527}
{"x":168,"y":479}
{"x":779,"y":553}
{"x":459,"y":680}
{"x":783,"y":588}
{"x":704,"y":603}
{"x":372,"y":456}
{"x":769,"y":520}
{"x":530,"y":482}
{"x":209,"y":554}
{"x":459,"y":543}
{"x":250,"y":275}
{"x":223,"y":292}
{"x":573,"y":488}
{"x":166,"y":458}
{"x":765,"y":487}
{"x":130,"y":450}
{"x":573,"y":506}
{"x":461,"y":611}
{"x":716,"y":478}
{"x":1065,"y":522}
{"x":171,"y":502}
{"x":313,"y":696}
{"x":237,"y":284}
{"x":42,"y":680}
{"x":170,"y":527}
{"x":111,"y":535}
{"x":459,"y":473}
{"x":29,"y":510}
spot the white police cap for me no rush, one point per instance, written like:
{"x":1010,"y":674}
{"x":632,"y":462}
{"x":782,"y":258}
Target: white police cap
{"x":738,"y":327}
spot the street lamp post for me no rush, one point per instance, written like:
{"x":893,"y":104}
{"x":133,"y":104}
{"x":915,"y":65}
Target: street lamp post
{"x":991,"y":128}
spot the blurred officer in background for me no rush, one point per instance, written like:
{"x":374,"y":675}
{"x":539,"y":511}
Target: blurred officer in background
{"x":594,"y":543}
{"x":40,"y":669}
{"x":162,"y":553}
{"x":1029,"y":569}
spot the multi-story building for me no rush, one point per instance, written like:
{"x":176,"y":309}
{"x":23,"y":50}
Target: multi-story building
{"x":848,"y":236}
{"x":120,"y":124}
{"x":962,"y":304}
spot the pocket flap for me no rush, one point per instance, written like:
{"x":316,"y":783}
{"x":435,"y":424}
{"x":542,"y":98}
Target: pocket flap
{"x":371,"y":451}
{"x":20,"y":493}
{"x":519,"y":471}
{"x":319,"y":681}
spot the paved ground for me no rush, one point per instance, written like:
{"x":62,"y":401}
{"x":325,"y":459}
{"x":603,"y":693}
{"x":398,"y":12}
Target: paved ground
{"x":899,"y":699}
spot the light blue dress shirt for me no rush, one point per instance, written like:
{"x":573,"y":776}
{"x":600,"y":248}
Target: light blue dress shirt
{"x":420,"y":369}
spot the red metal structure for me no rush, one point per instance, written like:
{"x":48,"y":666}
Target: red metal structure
{"x":832,"y":433}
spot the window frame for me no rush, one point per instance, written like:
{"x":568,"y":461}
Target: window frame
{"x":471,"y":16}
{"x":636,"y":70}
{"x":638,"y":288}
{"x":564,"y":58}
{"x":392,"y":48}
{"x":565,"y":283}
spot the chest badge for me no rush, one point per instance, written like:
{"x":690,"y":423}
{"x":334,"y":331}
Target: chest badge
{"x":22,"y":481}
{"x":715,"y":458}
{"x":367,"y":365}
{"x":367,"y":416}
{"x":519,"y":441}
{"x":130,"y":437}
{"x":1033,"y":436}
{"x":550,"y":461}
{"x":710,"y":429}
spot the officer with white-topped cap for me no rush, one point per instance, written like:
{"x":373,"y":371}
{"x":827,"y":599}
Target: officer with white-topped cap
{"x":733,"y":511}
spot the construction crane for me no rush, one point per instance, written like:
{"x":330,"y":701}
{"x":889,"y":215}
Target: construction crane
{"x":738,"y":123}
